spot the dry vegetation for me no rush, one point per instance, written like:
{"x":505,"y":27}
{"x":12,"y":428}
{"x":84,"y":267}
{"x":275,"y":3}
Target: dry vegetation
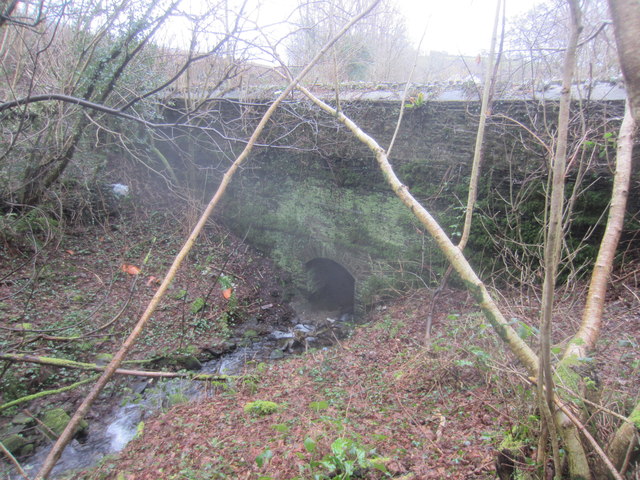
{"x":440,"y":412}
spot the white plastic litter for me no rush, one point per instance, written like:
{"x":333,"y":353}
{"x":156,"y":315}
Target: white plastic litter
{"x":120,"y":190}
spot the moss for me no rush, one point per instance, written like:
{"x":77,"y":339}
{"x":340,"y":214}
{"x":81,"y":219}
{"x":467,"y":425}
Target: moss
{"x":569,"y":374}
{"x":296,"y":216}
{"x":139,"y":430}
{"x":499,"y":328}
{"x":56,"y":421}
{"x":14,"y":442}
{"x":22,"y":419}
{"x":292,"y":204}
{"x":188,"y":362}
{"x":635,"y":417}
{"x":176,"y":399}
{"x":103,"y":358}
{"x":261,"y":408}
{"x":192,"y":349}
{"x":250,"y":334}
{"x":27,"y":450}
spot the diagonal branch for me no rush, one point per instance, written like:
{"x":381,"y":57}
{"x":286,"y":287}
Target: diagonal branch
{"x":68,"y":432}
{"x":473,"y":283}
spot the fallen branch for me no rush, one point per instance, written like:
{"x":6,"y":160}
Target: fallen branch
{"x":45,"y":393}
{"x":61,"y":362}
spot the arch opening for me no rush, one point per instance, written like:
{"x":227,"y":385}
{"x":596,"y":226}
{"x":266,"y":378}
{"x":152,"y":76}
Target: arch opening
{"x":330,"y":285}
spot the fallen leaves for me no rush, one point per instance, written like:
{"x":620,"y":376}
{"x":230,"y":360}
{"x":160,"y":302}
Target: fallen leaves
{"x":130,"y":269}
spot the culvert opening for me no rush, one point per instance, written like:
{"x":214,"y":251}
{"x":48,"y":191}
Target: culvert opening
{"x":330,"y":285}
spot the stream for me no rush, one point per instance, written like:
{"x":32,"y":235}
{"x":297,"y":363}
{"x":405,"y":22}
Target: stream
{"x":311,"y":328}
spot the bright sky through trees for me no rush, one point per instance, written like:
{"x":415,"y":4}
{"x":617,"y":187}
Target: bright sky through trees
{"x":456,"y":26}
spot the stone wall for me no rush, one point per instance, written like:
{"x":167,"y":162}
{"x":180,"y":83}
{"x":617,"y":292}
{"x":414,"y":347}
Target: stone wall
{"x":311,"y":190}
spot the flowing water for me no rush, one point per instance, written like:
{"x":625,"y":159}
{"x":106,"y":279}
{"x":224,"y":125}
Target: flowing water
{"x":312,"y":328}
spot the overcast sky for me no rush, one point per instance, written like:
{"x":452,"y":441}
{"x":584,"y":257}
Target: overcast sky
{"x":456,"y":26}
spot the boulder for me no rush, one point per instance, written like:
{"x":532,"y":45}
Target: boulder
{"x":14,"y":442}
{"x":56,"y":420}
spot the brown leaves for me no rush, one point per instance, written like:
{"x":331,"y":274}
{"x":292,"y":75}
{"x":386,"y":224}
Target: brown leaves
{"x":130,"y":269}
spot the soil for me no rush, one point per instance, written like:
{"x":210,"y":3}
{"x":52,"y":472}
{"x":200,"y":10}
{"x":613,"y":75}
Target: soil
{"x":379,"y":398}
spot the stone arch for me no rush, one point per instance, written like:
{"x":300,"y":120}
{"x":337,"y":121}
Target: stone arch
{"x":330,"y":285}
{"x":357,"y":266}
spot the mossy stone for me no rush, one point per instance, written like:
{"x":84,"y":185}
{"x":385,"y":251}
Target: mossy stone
{"x":192,"y":349}
{"x":250,"y":334}
{"x":83,"y":426}
{"x":22,"y":419}
{"x":14,"y":442}
{"x":276,"y":354}
{"x":189,"y":362}
{"x":27,"y":449}
{"x":11,"y":429}
{"x":261,"y":408}
{"x":55,"y":420}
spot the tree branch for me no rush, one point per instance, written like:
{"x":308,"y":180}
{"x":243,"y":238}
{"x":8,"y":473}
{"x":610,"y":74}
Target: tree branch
{"x":67,"y":434}
{"x":64,"y":363}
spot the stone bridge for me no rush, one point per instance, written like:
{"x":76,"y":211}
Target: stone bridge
{"x":311,"y":191}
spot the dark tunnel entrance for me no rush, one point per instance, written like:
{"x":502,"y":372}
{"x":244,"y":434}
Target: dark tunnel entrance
{"x":331,"y":286}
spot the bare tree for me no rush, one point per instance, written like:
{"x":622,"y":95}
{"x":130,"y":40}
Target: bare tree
{"x":553,"y":243}
{"x":376,"y":49}
{"x":535,"y":44}
{"x":120,"y":56}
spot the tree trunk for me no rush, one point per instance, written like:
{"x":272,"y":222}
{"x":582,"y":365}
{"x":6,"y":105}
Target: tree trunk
{"x":625,"y":440}
{"x":626,"y":22}
{"x":558,"y":423}
{"x":477,"y":153}
{"x":586,"y":337}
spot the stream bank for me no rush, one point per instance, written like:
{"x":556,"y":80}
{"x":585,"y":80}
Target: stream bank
{"x":228,"y":304}
{"x":311,"y":327}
